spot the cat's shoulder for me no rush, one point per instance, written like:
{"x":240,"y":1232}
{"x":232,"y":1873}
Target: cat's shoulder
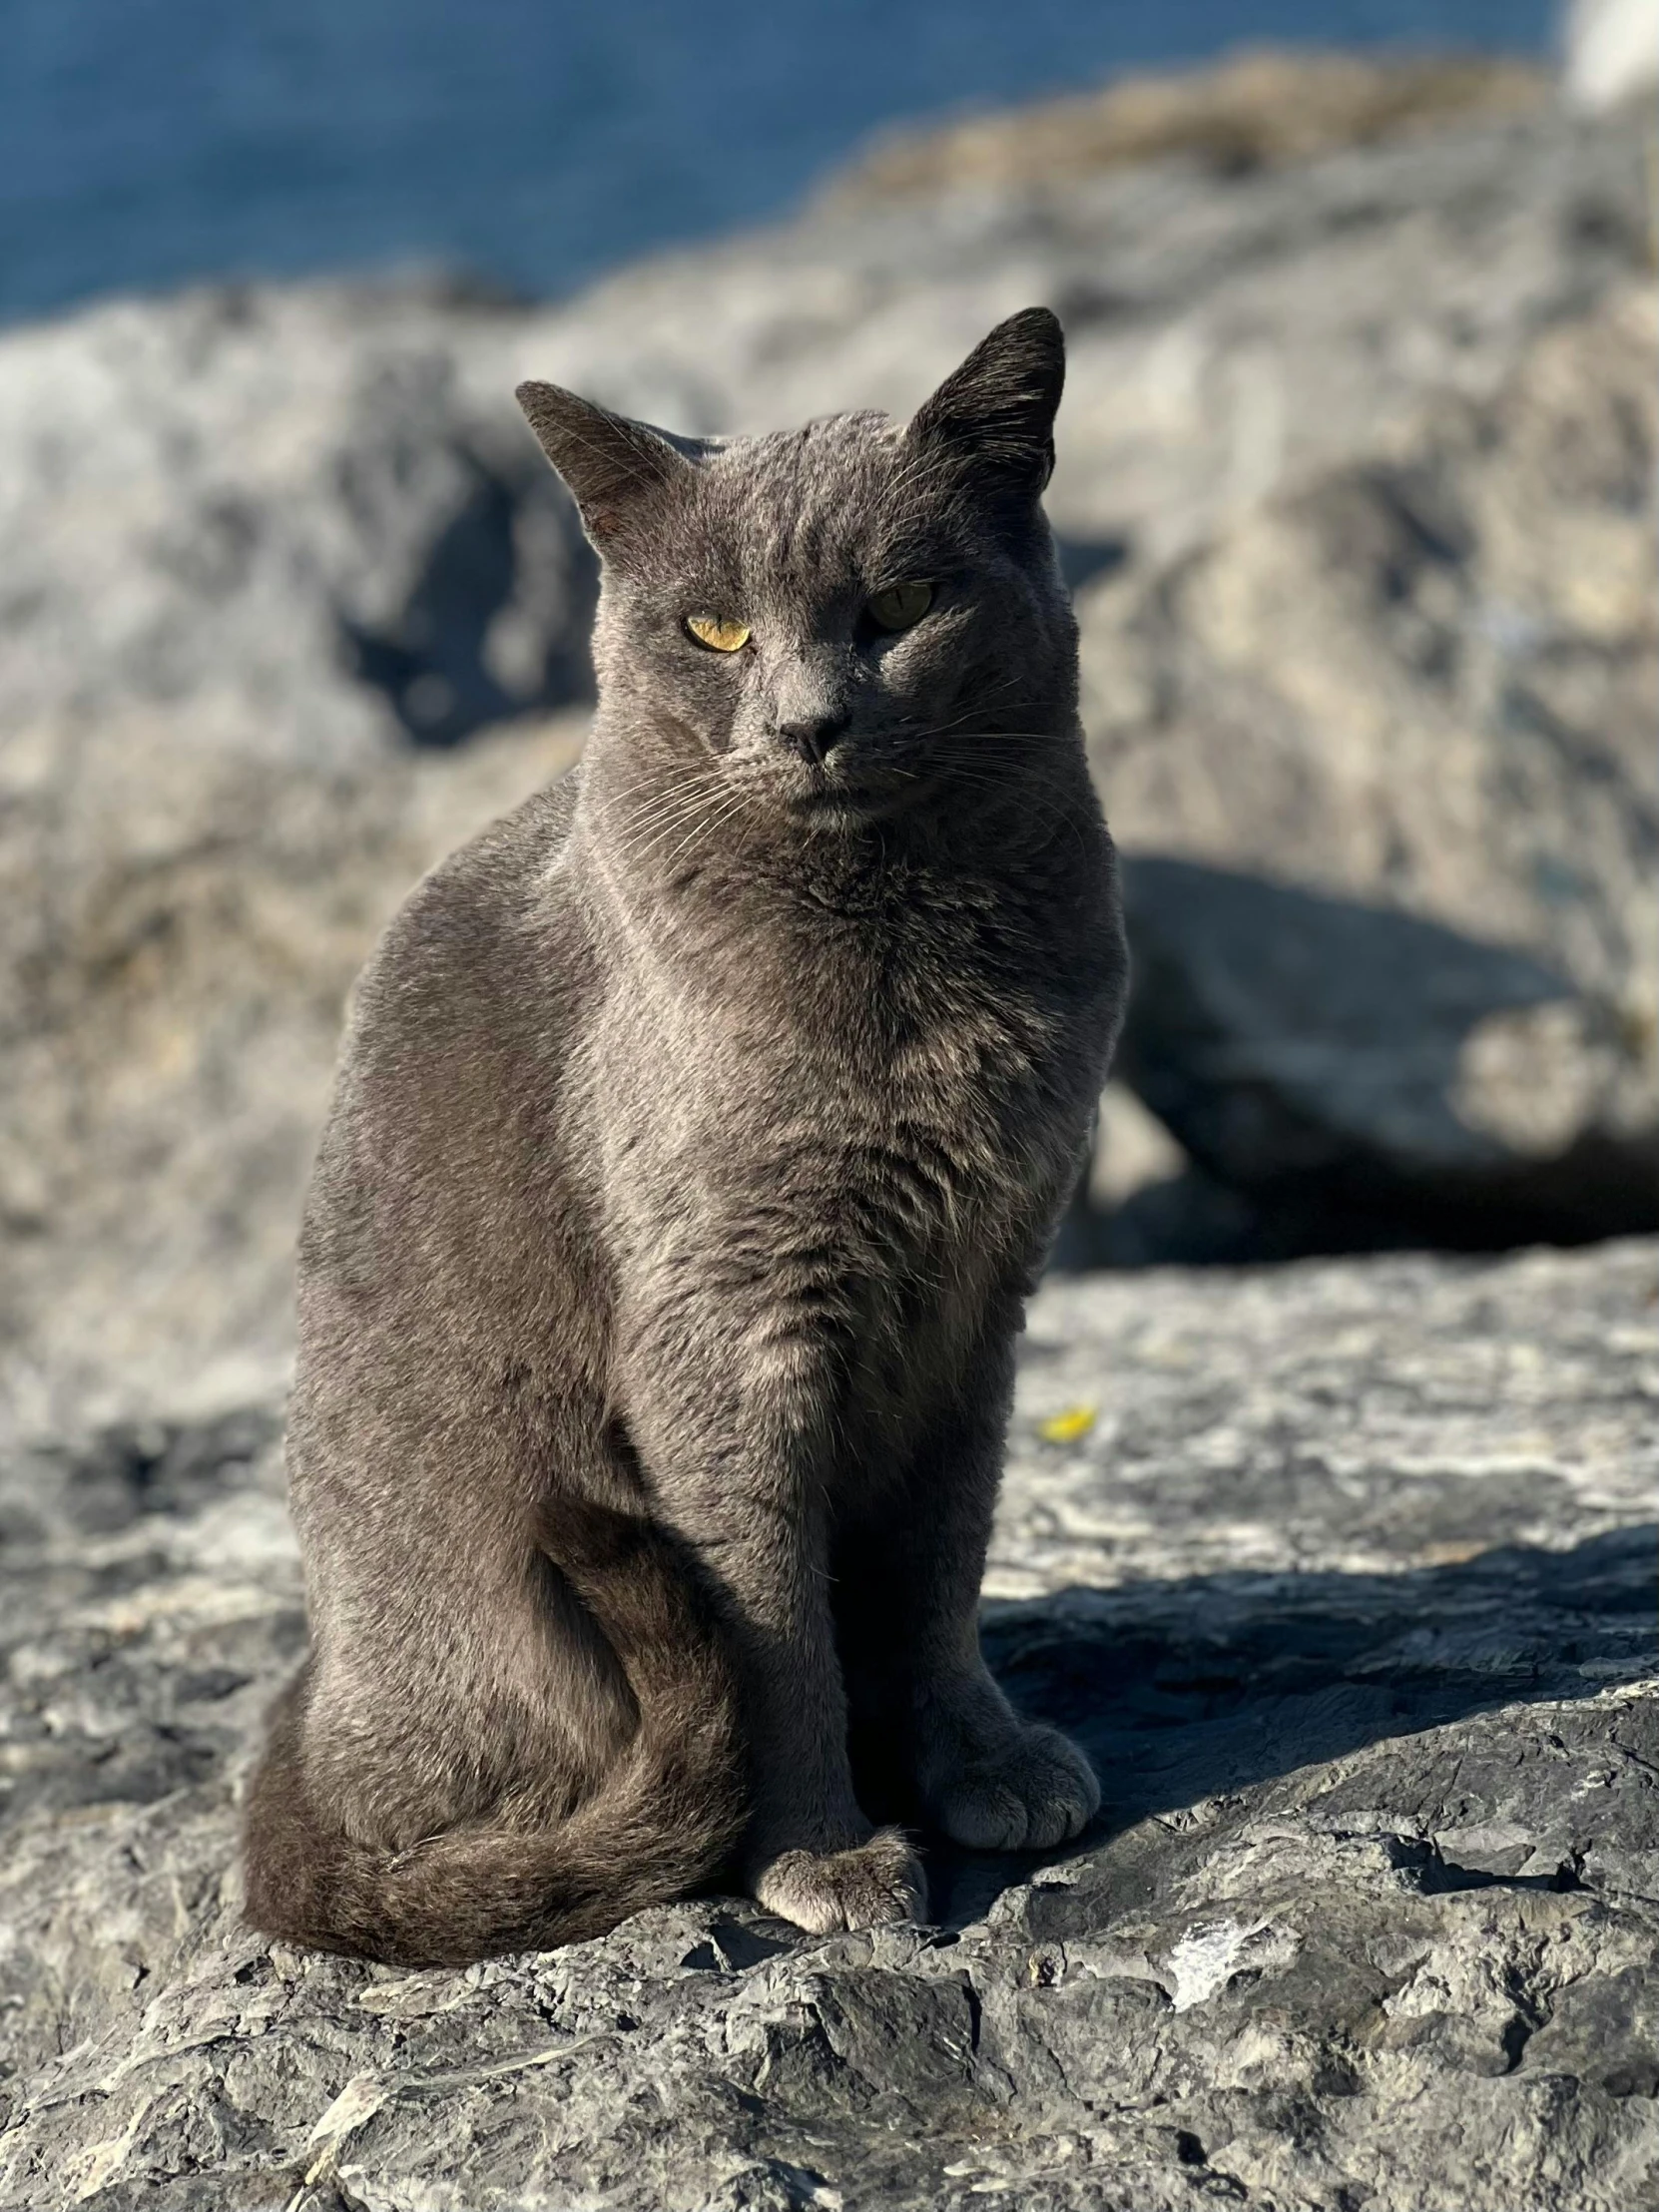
{"x":513,"y":855}
{"x":501,"y":898}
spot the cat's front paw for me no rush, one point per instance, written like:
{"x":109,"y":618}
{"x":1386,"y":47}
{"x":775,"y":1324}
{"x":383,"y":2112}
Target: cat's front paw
{"x":864,"y":1887}
{"x":1033,"y":1790}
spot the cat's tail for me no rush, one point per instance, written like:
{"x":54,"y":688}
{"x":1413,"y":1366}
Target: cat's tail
{"x":663,"y":1822}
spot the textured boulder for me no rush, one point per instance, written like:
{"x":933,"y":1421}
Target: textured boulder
{"x":279,"y":508}
{"x":1349,"y":1588}
{"x":297,"y":503}
{"x":258,"y":543}
{"x":184,"y":921}
{"x":1424,"y":689}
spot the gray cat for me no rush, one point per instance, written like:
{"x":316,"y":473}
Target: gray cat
{"x":700,"y":1132}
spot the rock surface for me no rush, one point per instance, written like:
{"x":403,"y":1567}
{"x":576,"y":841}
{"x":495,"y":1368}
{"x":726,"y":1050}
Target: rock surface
{"x":1349,"y":1589}
{"x":1356,"y":493}
{"x":282,"y":508}
{"x":1260,"y":108}
{"x":183,"y":925}
{"x":1423,"y":690}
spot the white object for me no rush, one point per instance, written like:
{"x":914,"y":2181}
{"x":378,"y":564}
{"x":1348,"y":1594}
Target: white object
{"x":1610,"y":51}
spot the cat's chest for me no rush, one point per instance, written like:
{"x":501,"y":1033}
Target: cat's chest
{"x":861,"y":1083}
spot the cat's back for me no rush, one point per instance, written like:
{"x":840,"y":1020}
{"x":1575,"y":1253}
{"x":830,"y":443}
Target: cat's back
{"x":464,"y":1030}
{"x":469,"y":924}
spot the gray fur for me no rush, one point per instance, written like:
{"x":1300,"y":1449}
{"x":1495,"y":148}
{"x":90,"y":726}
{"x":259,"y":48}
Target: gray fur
{"x":699,"y":1134}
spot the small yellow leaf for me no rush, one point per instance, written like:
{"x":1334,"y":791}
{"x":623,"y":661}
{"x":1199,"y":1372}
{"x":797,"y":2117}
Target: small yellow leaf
{"x":1067,"y":1426}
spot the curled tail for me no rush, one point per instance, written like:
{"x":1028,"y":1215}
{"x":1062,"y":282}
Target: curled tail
{"x":662,"y":1823}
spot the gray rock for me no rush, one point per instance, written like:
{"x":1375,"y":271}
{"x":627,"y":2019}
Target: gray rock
{"x":184,"y":921}
{"x":253,"y":543}
{"x":1349,"y":1588}
{"x":1424,"y":689}
{"x":1315,"y":1055}
{"x":297,"y":503}
{"x":278,"y":507}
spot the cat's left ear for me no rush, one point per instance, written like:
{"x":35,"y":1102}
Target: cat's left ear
{"x":994,"y":417}
{"x":617,"y":470}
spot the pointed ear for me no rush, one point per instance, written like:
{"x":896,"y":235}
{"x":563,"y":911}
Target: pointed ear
{"x":994,"y":417}
{"x":615,"y":467}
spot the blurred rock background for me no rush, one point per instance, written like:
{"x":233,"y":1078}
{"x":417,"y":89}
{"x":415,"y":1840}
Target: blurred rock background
{"x":1356,"y":495}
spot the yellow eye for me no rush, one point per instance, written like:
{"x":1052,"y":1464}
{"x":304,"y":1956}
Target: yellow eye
{"x":717,"y":634}
{"x":900,"y":606}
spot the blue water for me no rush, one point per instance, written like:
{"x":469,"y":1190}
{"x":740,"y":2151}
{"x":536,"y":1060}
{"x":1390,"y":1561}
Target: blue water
{"x":147,"y":142}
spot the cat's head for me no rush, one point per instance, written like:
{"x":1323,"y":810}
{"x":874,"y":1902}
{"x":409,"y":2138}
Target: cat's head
{"x":839,"y":616}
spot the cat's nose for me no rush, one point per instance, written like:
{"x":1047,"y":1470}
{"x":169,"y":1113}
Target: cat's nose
{"x":814,"y":737}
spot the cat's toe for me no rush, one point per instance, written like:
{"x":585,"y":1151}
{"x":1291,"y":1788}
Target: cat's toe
{"x":1034,"y":1792}
{"x":871,"y":1883}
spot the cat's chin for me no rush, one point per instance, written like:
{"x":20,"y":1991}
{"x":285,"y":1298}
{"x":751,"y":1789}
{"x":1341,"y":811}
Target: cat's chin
{"x":850,"y":803}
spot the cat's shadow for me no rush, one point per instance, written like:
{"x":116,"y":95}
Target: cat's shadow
{"x":1184,"y":1690}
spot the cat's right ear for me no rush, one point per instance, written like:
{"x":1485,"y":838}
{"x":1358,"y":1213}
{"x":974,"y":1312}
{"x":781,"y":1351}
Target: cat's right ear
{"x":992,"y":419}
{"x":617,"y":470}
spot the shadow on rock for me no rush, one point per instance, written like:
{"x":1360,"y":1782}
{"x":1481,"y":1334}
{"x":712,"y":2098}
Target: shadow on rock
{"x":496,"y":621}
{"x":1346,"y":1077}
{"x":1187,"y":1691}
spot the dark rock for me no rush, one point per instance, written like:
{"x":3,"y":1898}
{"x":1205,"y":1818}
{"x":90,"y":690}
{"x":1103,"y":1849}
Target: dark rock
{"x":1311,"y":1056}
{"x":1349,"y":1588}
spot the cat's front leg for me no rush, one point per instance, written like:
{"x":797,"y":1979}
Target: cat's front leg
{"x":908,"y":1617}
{"x":995,"y":1781}
{"x":811,"y":1856}
{"x":738,"y":1471}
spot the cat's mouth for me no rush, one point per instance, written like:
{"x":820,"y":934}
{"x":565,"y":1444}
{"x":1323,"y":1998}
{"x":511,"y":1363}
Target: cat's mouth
{"x":856,"y":802}
{"x":862,"y":791}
